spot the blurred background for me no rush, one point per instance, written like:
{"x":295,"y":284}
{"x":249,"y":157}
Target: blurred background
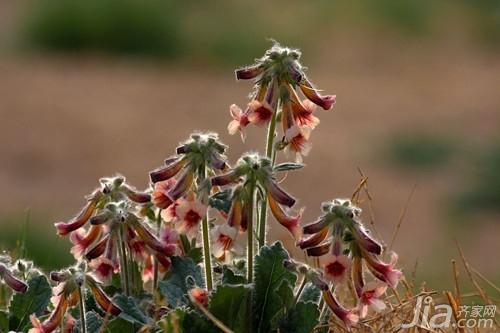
{"x":91,"y":88}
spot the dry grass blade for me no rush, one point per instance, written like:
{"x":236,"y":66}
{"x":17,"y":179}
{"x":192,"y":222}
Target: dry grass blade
{"x":455,"y":279}
{"x":455,"y":306}
{"x":482,"y":277}
{"x":401,"y":217}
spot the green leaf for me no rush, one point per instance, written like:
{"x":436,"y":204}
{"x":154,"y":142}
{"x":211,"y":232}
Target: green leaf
{"x":188,"y":321}
{"x":221,"y":200}
{"x":120,"y":325}
{"x":230,"y":304}
{"x":35,"y":300}
{"x":195,"y":253}
{"x":94,"y":323}
{"x":130,"y":310}
{"x":288,"y":166}
{"x":302,"y":318}
{"x":176,"y":286}
{"x":310,"y":293}
{"x":269,"y":275}
{"x":230,"y":277}
{"x":4,"y":321}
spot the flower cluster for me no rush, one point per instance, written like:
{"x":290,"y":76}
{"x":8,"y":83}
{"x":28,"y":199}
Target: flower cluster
{"x":71,"y":284}
{"x":108,"y":229}
{"x":342,"y":243}
{"x":278,"y":77}
{"x":178,"y":186}
{"x":252,"y":172}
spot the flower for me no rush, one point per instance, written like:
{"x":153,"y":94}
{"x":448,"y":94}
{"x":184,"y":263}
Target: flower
{"x":292,"y":223}
{"x":297,"y":139}
{"x":82,"y":240}
{"x":53,"y":321}
{"x":160,"y":193}
{"x":370,"y":297}
{"x":223,"y":238}
{"x":260,"y":112}
{"x":384,"y":271}
{"x":336,"y":268}
{"x":14,"y":283}
{"x":103,"y":269}
{"x":64,"y":228}
{"x":188,"y":214}
{"x":349,"y":317}
{"x":199,"y":296}
{"x":239,"y":122}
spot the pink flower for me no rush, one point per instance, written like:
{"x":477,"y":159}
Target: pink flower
{"x":160,"y":193}
{"x":347,"y":316}
{"x":54,"y":320}
{"x":292,"y":223}
{"x":250,"y":72}
{"x":103,"y":269}
{"x":83,"y":241}
{"x":297,"y":138}
{"x":239,"y":122}
{"x":313,"y":240}
{"x":13,"y":282}
{"x":370,"y":297}
{"x":336,"y":267}
{"x":326,"y":101}
{"x":173,"y":166}
{"x":199,"y":296}
{"x":260,"y":113}
{"x":303,"y":113}
{"x":223,"y":238}
{"x":148,"y":270}
{"x":64,"y":228}
{"x":189,"y":213}
{"x":382,"y":271}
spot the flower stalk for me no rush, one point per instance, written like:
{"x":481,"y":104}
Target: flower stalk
{"x":83,"y":320}
{"x":250,"y":231}
{"x":206,"y":239}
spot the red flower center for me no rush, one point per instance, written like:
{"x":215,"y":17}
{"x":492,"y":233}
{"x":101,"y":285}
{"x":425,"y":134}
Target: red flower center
{"x":335,"y":269}
{"x":192,"y":217}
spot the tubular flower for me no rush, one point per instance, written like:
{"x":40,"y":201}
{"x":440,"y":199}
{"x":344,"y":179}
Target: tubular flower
{"x":349,"y":317}
{"x":188,"y":214}
{"x":278,"y":77}
{"x":223,"y":238}
{"x":82,"y":241}
{"x":10,"y":280}
{"x":199,"y":296}
{"x":382,"y":271}
{"x":239,"y":122}
{"x":254,"y":170}
{"x":370,"y":297}
{"x":336,"y":268}
{"x":160,"y":193}
{"x":292,"y":223}
{"x":82,"y":217}
{"x":54,"y":320}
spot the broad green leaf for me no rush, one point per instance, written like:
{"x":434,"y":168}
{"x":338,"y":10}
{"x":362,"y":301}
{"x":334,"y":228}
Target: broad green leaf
{"x":93,"y":323}
{"x":288,"y":166}
{"x":130,"y":310}
{"x":269,"y":275}
{"x":35,"y":300}
{"x":231,"y":304}
{"x":302,"y":318}
{"x":176,"y":286}
{"x":183,"y":320}
{"x":120,"y":325}
{"x":310,"y":293}
{"x":230,"y":277}
{"x":221,"y":200}
{"x":4,"y":321}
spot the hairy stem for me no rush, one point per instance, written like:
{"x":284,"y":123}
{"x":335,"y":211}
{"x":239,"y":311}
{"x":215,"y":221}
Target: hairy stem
{"x":83,"y":320}
{"x":124,"y":263}
{"x":250,"y":231}
{"x":155,"y":261}
{"x":270,"y":153}
{"x":206,"y":240}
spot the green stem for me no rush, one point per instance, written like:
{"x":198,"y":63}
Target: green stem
{"x":123,"y":255}
{"x":83,"y":320}
{"x":155,"y":261}
{"x":206,"y":240}
{"x":250,"y":231}
{"x":270,"y":153}
{"x":301,"y":288}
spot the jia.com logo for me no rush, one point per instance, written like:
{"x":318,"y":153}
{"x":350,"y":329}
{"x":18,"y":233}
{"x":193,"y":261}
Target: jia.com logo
{"x":469,"y":316}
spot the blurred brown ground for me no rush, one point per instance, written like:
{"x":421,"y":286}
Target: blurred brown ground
{"x":65,"y":122}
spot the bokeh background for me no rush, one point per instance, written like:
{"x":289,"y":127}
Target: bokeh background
{"x":91,"y":88}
